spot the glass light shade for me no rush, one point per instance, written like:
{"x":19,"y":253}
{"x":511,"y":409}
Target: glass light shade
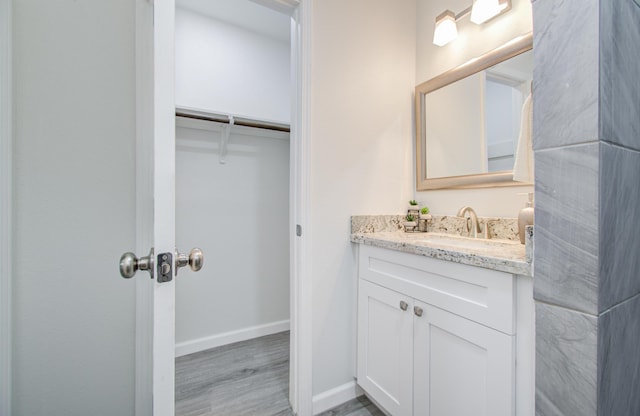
{"x":484,"y":10}
{"x":446,"y":29}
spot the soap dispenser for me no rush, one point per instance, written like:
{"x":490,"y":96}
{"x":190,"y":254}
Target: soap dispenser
{"x":525,"y":217}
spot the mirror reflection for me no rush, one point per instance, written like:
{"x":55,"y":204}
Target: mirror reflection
{"x":469,"y":121}
{"x":472,"y":125}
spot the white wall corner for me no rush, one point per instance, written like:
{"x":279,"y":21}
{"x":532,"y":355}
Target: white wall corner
{"x":335,"y":397}
{"x":217,"y":340}
{"x":5,"y":205}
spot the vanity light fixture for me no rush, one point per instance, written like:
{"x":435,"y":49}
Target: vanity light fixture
{"x":481,"y":11}
{"x":446,"y":28}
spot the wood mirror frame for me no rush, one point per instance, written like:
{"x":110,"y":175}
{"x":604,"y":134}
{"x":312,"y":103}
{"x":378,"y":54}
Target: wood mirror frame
{"x":510,"y":49}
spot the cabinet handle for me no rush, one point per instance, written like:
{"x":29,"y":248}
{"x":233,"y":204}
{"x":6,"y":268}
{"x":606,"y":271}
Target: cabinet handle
{"x":403,"y":305}
{"x":417,"y":310}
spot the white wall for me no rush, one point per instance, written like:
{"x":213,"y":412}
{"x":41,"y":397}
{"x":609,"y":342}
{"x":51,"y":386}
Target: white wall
{"x":238,"y":214}
{"x":224,"y":68}
{"x":73,"y":207}
{"x":363,"y":75}
{"x":473,"y":40}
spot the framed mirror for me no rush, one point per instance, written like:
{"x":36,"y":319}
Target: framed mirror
{"x":468,"y":119}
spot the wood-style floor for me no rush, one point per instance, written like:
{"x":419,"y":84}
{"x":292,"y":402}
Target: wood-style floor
{"x":245,"y":378}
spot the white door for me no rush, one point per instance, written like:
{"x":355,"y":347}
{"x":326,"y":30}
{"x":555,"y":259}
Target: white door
{"x":92,"y":177}
{"x":385,"y":347}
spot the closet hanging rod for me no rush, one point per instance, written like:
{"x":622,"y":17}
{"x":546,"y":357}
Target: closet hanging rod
{"x":237,"y":121}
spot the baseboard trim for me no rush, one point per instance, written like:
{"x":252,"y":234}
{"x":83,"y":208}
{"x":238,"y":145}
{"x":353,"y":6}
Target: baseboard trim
{"x":335,"y":397}
{"x":205,"y":343}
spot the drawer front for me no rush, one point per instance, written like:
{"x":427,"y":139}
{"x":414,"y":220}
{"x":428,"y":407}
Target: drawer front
{"x":481,"y":295}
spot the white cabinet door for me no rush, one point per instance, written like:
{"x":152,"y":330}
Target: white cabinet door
{"x":385,"y":347}
{"x":461,"y":367}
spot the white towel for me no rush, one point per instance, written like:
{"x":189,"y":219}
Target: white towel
{"x":523,"y":166}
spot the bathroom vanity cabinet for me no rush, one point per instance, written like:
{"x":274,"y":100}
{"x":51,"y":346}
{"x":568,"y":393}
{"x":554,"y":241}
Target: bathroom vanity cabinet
{"x":440,"y":338}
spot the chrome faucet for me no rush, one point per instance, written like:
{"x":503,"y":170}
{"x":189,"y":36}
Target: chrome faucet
{"x":473,"y":227}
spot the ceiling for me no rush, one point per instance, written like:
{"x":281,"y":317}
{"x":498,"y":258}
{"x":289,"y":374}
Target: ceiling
{"x":243,"y":13}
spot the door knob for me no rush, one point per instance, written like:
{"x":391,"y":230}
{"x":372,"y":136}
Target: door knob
{"x":194,"y":260}
{"x":130,"y":264}
{"x":418,"y":310}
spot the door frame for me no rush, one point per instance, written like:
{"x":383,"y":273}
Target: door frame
{"x":5,"y":203}
{"x":301,"y":300}
{"x":300,"y":377}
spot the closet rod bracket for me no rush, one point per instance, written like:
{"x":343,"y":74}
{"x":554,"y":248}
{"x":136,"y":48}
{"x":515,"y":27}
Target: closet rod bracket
{"x":224,"y":140}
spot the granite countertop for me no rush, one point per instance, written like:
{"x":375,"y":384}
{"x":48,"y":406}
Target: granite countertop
{"x":506,"y":255}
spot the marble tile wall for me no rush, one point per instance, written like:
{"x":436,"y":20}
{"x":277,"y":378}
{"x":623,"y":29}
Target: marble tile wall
{"x":619,"y":159}
{"x":619,"y":70}
{"x":619,"y":244}
{"x":618,"y":359}
{"x":566,"y":345}
{"x":566,"y":243}
{"x":619,"y":322}
{"x":565,"y":92}
{"x":587,"y":142}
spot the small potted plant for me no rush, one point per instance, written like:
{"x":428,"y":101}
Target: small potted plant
{"x":424,"y":213}
{"x":413,"y":205}
{"x":410,"y":222}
